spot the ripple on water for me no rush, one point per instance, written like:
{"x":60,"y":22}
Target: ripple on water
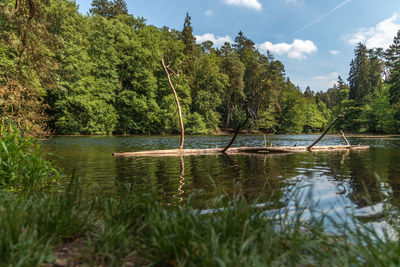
{"x":340,"y":181}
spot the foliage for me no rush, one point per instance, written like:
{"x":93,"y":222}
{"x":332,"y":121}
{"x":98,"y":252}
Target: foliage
{"x":27,"y":65}
{"x":22,"y":165}
{"x":109,"y":9}
{"x":101,"y":74}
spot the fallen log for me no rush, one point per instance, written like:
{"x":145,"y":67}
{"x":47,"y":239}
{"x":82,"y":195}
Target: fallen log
{"x":236,"y":150}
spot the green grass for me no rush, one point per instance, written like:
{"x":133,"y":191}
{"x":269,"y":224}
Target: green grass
{"x":22,"y":164}
{"x":118,"y":230}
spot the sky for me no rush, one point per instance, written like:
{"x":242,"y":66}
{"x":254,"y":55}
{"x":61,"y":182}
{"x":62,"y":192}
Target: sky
{"x":314,"y":39}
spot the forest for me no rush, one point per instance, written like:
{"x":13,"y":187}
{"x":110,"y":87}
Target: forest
{"x":65,"y":73}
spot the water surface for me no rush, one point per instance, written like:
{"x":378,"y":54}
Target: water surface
{"x":361,"y":181}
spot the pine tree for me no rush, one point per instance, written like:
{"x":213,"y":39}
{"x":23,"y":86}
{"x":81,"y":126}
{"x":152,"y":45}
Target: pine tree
{"x":308,"y":92}
{"x":109,"y":9}
{"x":392,"y":54}
{"x":120,"y":7}
{"x":359,"y":76}
{"x":393,"y":61}
{"x":242,"y":43}
{"x":189,"y":51}
{"x":101,"y":8}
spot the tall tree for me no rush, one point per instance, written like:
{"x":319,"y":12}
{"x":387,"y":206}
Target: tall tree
{"x":209,"y":85}
{"x":27,"y":64}
{"x":102,"y":8}
{"x":393,"y":61}
{"x":308,"y":92}
{"x":189,"y":51}
{"x":109,"y":9}
{"x":234,"y":69}
{"x":120,"y":7}
{"x":359,"y":76}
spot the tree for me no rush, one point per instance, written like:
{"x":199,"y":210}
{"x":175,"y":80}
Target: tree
{"x":242,"y":43}
{"x":393,"y":61}
{"x":308,"y":92}
{"x":359,"y":76}
{"x":109,"y":9}
{"x":120,"y":7}
{"x":85,"y":98}
{"x":234,"y":69}
{"x":27,"y":65}
{"x":208,"y":89}
{"x":292,"y":116}
{"x":102,"y":8}
{"x":190,"y":49}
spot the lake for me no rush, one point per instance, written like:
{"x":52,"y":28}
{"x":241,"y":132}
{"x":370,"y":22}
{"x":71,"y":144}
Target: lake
{"x":363,"y":182}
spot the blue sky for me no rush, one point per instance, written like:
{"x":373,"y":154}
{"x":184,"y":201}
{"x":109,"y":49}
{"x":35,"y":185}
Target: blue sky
{"x":314,"y":39}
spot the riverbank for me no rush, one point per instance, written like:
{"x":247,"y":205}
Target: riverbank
{"x":242,"y":132}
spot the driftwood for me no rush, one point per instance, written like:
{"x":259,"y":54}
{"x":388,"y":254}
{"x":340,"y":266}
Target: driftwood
{"x":244,"y":150}
{"x":236,"y":133}
{"x":326,"y":131}
{"x":235,"y":150}
{"x":344,"y":137}
{"x":166,"y":68}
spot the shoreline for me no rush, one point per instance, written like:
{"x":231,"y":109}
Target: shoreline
{"x":351,"y":135}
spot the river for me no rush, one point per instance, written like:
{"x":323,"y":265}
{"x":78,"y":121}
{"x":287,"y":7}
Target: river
{"x":364,"y":182}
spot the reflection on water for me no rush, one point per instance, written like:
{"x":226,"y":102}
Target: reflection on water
{"x":339,"y":181}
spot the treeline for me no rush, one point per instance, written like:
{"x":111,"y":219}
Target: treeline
{"x":371,"y":99}
{"x":68,"y":73}
{"x":102,"y":74}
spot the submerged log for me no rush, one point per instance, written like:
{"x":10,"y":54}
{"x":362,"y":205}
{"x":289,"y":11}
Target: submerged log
{"x":235,"y":150}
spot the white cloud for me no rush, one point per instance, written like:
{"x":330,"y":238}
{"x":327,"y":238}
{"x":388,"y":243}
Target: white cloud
{"x":326,"y":81}
{"x":334,"y":52}
{"x":296,"y":50}
{"x":208,"y":12}
{"x":381,"y":35}
{"x":217,"y":40}
{"x":253,"y":4}
{"x":295,"y":2}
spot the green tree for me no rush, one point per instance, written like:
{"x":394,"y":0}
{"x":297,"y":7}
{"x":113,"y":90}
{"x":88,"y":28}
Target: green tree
{"x":292,"y":116}
{"x":189,"y":51}
{"x":359,"y":76}
{"x":393,"y":61}
{"x":27,"y":64}
{"x":234,"y":69}
{"x":209,"y":85}
{"x":109,"y":9}
{"x":308,"y":92}
{"x":85,"y":98}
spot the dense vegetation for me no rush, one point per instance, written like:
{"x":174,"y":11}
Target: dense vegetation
{"x":68,"y":73}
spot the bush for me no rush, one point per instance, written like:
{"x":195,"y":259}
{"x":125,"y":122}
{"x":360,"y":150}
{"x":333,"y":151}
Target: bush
{"x":22,"y":164}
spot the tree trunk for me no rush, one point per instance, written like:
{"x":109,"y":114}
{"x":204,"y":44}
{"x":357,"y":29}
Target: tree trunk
{"x":326,"y":131}
{"x":344,"y":137}
{"x":236,"y":133}
{"x":177,"y":104}
{"x":228,"y":115}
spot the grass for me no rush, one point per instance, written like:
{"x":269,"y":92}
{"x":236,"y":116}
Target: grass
{"x":22,"y":164}
{"x":40,"y":226}
{"x":131,"y":229}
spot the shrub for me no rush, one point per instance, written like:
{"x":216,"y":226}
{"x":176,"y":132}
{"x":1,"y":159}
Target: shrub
{"x":22,"y":164}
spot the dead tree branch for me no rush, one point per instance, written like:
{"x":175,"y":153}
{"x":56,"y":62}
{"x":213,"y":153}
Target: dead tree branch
{"x":177,"y":103}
